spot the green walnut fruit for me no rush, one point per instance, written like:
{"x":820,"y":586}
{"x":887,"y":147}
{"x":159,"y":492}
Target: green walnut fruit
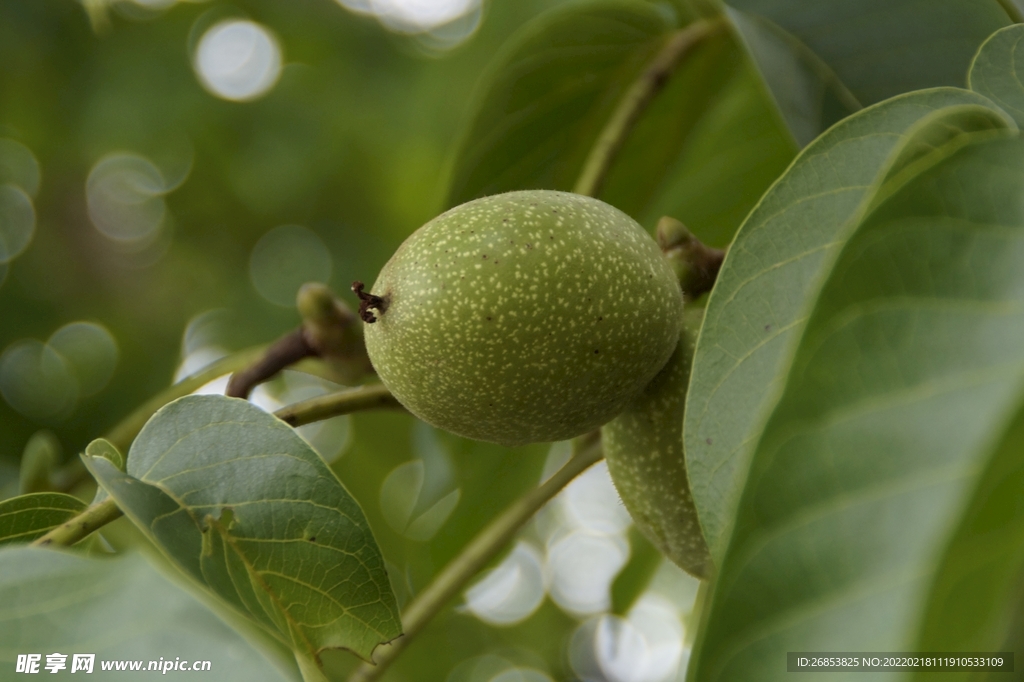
{"x":522,"y":317}
{"x":644,"y":450}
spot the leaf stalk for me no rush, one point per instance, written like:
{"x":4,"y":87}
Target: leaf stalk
{"x":636,"y":100}
{"x":81,"y":526}
{"x":306,"y":412}
{"x":473,"y":557}
{"x":368,"y":397}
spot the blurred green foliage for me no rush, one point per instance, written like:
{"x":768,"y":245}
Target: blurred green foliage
{"x":368,"y":134}
{"x":352,"y":143}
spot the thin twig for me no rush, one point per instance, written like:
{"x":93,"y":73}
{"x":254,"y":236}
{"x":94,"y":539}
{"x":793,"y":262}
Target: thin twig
{"x":305,"y":412}
{"x":284,"y":352}
{"x":124,"y":432}
{"x":122,"y":435}
{"x":637,"y":99}
{"x":333,"y":404}
{"x":81,"y":526}
{"x":473,"y":557}
{"x":329,"y":331}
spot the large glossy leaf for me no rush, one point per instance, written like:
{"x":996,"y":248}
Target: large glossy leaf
{"x":881,"y":48}
{"x":975,"y":600}
{"x":242,"y":504}
{"x":909,"y":363}
{"x":27,"y":517}
{"x":703,"y":151}
{"x":549,"y":92}
{"x":117,"y":609}
{"x":773,"y":271}
{"x":998,"y":69}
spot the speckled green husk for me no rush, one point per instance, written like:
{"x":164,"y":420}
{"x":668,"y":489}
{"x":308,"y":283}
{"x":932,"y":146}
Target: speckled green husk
{"x":524,"y":317}
{"x":644,"y":450}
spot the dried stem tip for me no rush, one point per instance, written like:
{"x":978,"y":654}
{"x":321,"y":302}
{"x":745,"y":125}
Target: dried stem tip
{"x":368,"y":301}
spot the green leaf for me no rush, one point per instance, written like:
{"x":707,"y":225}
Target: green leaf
{"x":995,"y":71}
{"x":27,"y":517}
{"x":881,"y":48}
{"x":908,"y":364}
{"x":974,"y":602}
{"x":118,"y":609}
{"x":106,"y":450}
{"x":806,"y":91}
{"x":41,"y":454}
{"x":636,"y":575}
{"x":704,"y":150}
{"x":773,"y":272}
{"x":244,"y":506}
{"x":548,"y":93}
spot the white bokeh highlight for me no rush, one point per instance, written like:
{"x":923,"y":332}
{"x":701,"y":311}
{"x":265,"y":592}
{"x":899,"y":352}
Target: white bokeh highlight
{"x":203,"y":342}
{"x":581,"y":567}
{"x":521,"y":675}
{"x":417,"y":16}
{"x":438,"y":24}
{"x":17,"y":222}
{"x":329,"y":437}
{"x":490,"y":668}
{"x":584,"y":533}
{"x":645,"y":646}
{"x":19,"y":182}
{"x":155,"y":5}
{"x":44,"y":381}
{"x":37,"y":381}
{"x":591,"y":502}
{"x":238,"y":60}
{"x":197,"y":361}
{"x":402,"y":502}
{"x":19,"y":166}
{"x":284,"y":259}
{"x":125,"y":198}
{"x":510,"y":592}
{"x":91,"y":352}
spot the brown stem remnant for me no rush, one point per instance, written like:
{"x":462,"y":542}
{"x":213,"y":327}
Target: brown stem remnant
{"x":329,"y":330}
{"x":367,"y":302}
{"x":287,"y":350}
{"x":696,"y":264}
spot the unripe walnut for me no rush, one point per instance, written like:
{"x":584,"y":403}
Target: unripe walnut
{"x":644,"y":450}
{"x":523,"y":317}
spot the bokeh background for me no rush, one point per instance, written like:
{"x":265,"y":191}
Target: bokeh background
{"x":171,"y":172}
